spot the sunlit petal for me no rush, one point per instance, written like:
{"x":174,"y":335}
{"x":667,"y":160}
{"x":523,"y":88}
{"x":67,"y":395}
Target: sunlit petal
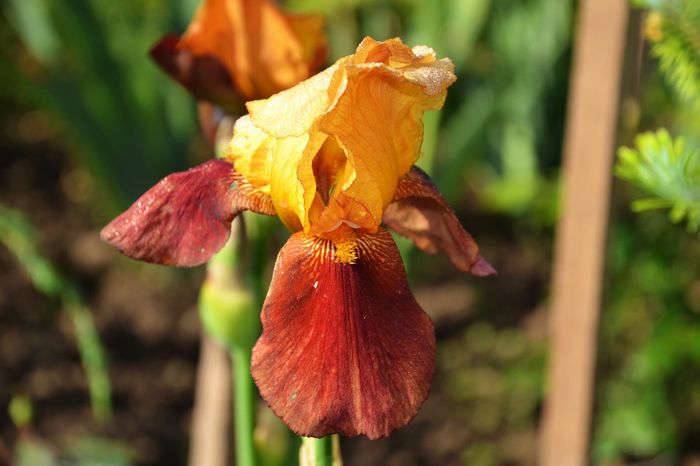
{"x":186,"y":217}
{"x":420,"y":213}
{"x":345,"y":347}
{"x":261,"y":48}
{"x":295,"y":111}
{"x":368,"y":106}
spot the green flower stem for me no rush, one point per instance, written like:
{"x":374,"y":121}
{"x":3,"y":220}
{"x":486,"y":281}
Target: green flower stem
{"x":244,"y":407}
{"x":320,"y":450}
{"x":229,"y":313}
{"x":244,"y":392}
{"x":92,"y":355}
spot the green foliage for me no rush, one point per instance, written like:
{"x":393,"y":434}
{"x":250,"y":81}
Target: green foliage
{"x":650,"y":357}
{"x":648,"y":343}
{"x":21,"y":410}
{"x":34,"y":453}
{"x":493,"y":378}
{"x":18,"y":235}
{"x":674,"y":30}
{"x":96,"y":451}
{"x":228,"y":311}
{"x":126,"y":120}
{"x":80,"y":451}
{"x":668,"y":171}
{"x":503,"y":115}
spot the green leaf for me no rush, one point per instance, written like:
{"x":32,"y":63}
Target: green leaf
{"x":666,"y":170}
{"x":674,"y":30}
{"x":33,"y":23}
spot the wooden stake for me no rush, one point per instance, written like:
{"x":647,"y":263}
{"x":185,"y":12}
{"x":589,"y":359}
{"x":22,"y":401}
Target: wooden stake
{"x":211,"y":415}
{"x":580,"y":245}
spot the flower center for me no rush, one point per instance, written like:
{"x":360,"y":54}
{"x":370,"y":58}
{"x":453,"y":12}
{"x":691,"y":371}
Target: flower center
{"x":328,"y":166}
{"x":344,"y":241}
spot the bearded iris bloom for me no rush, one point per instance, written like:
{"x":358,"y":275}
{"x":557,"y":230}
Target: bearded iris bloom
{"x":345,"y":347}
{"x":239,"y":50}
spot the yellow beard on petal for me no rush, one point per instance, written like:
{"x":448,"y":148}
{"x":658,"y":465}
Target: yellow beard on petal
{"x":345,"y":242}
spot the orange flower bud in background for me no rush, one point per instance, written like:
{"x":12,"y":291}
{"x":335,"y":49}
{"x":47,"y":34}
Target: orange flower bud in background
{"x":239,"y":50}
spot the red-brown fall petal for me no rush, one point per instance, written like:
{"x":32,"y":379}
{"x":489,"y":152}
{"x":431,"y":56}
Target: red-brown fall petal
{"x":345,"y":347}
{"x":204,"y":76}
{"x":420,"y":213}
{"x":186,"y":217}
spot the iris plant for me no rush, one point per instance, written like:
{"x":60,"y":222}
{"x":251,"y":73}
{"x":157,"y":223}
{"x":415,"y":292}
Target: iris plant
{"x":345,"y":346}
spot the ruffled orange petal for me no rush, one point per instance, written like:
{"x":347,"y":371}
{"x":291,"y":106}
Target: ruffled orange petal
{"x":378,"y":121}
{"x":264,"y":49}
{"x":370,"y":106}
{"x":294,"y":111}
{"x":292,"y":177}
{"x":420,"y":213}
{"x":186,"y":217}
{"x":283,"y":125}
{"x":345,"y":347}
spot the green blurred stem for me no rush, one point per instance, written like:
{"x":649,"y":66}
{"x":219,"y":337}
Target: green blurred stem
{"x":244,"y":407}
{"x":243,"y":386}
{"x":92,"y":356}
{"x":321,"y":450}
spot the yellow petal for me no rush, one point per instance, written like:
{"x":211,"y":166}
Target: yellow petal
{"x":294,"y":111}
{"x":250,"y":153}
{"x":342,"y":139}
{"x":378,"y":121}
{"x":292,"y":184}
{"x":281,"y":167}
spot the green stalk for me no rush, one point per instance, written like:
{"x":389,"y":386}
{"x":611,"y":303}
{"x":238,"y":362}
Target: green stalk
{"x":244,"y":407}
{"x":229,"y":313}
{"x":92,"y":355}
{"x":320,"y":450}
{"x":243,"y":386}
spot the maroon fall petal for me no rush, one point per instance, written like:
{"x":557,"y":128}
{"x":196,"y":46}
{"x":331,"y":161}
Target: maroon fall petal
{"x":345,"y":348}
{"x":186,"y":217}
{"x":420,"y":213}
{"x":204,"y":76}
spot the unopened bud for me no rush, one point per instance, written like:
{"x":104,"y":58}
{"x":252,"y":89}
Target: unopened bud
{"x":229,"y":314}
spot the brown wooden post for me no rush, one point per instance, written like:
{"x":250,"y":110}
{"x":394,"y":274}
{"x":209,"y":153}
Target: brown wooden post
{"x":581,"y":232}
{"x":211,"y":415}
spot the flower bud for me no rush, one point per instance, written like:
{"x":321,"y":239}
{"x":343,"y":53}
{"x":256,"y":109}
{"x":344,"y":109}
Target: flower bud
{"x":228,"y":313}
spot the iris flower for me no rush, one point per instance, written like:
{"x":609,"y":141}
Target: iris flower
{"x":239,"y":50}
{"x":345,"y":346}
